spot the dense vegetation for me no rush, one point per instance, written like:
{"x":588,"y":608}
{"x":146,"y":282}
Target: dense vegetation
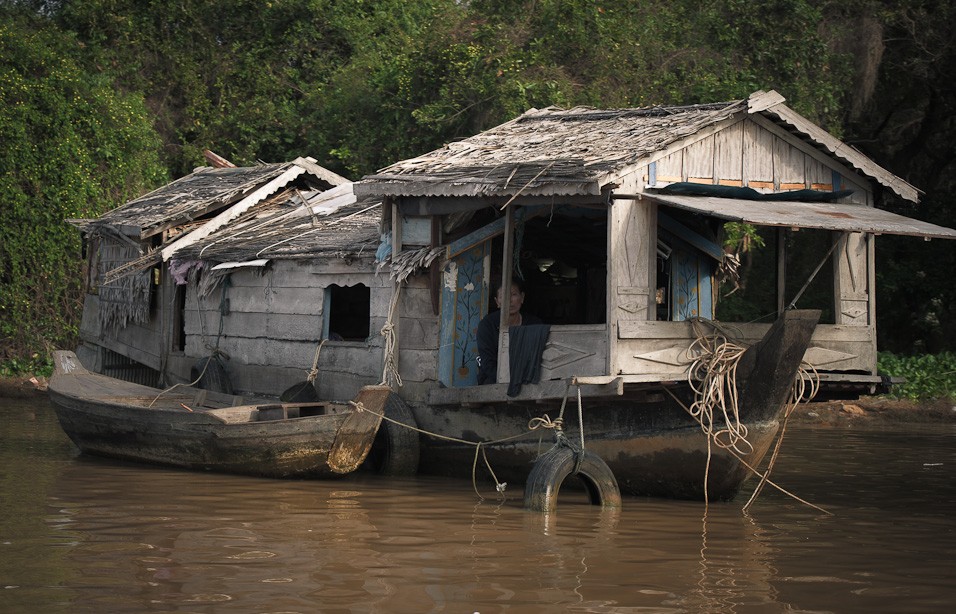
{"x":101,"y":100}
{"x":927,"y":376}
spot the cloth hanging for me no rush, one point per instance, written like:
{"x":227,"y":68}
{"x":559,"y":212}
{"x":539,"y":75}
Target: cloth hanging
{"x":525,"y":346}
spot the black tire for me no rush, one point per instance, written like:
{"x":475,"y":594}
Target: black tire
{"x":551,"y":469}
{"x":395,"y":451}
{"x":214,"y":376}
{"x":300,"y":392}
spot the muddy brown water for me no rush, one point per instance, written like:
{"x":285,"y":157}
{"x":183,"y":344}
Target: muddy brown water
{"x":80,"y":534}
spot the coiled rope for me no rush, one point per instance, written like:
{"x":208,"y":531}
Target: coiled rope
{"x":713,"y":377}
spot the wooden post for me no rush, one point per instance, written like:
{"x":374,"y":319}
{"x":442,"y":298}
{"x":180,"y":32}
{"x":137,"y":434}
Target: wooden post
{"x":632,"y":255}
{"x":781,"y":270}
{"x":396,"y":287}
{"x":507,"y":269}
{"x":851,"y":280}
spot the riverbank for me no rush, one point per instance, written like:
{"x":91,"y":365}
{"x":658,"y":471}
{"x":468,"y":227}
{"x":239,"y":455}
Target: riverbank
{"x":875,"y":410}
{"x":22,"y":387}
{"x":859,"y":412}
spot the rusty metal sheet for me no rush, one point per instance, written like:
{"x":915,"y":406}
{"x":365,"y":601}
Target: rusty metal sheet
{"x":793,"y":214}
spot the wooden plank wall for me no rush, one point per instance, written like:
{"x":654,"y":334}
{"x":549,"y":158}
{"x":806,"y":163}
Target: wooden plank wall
{"x":274,"y":326}
{"x":419,"y":336}
{"x":632,"y":252}
{"x":661,"y":347}
{"x":753,"y":153}
{"x":748,"y":154}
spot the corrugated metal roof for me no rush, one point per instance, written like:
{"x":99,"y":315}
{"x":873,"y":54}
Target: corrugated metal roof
{"x":793,"y":214}
{"x":770,"y":104}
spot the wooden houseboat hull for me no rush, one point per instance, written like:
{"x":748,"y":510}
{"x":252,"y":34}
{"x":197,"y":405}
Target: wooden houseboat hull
{"x":652,"y":449}
{"x":646,"y":435}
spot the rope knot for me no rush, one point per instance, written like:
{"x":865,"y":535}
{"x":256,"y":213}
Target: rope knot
{"x":545,"y":422}
{"x":357,"y":405}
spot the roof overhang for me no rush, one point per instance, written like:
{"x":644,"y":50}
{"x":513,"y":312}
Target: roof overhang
{"x":795,"y":214}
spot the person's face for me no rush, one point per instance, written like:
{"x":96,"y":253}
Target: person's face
{"x":517,"y":299}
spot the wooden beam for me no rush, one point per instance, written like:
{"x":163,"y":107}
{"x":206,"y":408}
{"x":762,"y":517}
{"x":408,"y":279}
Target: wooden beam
{"x":507,"y":269}
{"x":443,"y":205}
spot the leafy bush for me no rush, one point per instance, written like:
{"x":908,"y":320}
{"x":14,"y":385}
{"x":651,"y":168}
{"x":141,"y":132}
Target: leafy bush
{"x":928,"y":376}
{"x":73,"y":147}
{"x":34,"y":365}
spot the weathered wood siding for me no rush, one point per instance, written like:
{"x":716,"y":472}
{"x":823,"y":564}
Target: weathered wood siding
{"x":571,"y":350}
{"x":662,"y":347}
{"x":751,"y":153}
{"x":632,"y":253}
{"x":754,"y":153}
{"x":274,"y":325}
{"x":140,"y":342}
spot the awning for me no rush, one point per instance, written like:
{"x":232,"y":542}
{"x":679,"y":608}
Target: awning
{"x":794,"y":214}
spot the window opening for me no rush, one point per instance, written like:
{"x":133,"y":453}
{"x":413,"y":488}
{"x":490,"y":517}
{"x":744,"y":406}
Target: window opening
{"x":756,"y":297}
{"x":348,"y":312}
{"x":179,"y":319}
{"x":562,"y":258}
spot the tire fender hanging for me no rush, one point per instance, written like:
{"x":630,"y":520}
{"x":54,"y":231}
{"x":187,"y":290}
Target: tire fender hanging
{"x":550,"y":470}
{"x":396,"y":450}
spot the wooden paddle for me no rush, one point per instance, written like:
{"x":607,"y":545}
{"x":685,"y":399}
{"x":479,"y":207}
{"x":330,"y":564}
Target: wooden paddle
{"x":354,"y":439}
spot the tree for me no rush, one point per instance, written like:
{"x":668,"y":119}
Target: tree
{"x":907,"y":122}
{"x":73,"y":147}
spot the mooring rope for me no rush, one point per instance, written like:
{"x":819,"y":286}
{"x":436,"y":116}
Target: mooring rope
{"x":390,"y":375}
{"x":805,"y":377}
{"x":713,"y":378}
{"x":479,"y":448}
{"x":313,"y":373}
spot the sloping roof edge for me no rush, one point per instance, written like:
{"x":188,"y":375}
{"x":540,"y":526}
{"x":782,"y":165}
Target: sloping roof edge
{"x":772,"y":104}
{"x":290,"y":173}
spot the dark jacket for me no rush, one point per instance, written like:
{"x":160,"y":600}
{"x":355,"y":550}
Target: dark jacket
{"x":488,"y":329}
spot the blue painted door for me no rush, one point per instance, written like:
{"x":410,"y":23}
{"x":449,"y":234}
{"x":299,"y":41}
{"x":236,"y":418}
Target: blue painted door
{"x":464,"y":299}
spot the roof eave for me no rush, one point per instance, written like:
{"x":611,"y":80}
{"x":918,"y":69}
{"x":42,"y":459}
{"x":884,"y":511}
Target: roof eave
{"x":771,"y":104}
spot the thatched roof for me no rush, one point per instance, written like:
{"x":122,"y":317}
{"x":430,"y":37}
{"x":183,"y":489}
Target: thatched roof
{"x":206,"y":191}
{"x":548,"y":151}
{"x":295,"y":224}
{"x":578,"y":151}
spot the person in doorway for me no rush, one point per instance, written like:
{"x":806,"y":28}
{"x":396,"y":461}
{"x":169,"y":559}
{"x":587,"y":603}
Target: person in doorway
{"x":490,"y":325}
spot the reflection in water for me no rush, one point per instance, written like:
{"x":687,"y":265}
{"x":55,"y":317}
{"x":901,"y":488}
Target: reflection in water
{"x":79,"y":534}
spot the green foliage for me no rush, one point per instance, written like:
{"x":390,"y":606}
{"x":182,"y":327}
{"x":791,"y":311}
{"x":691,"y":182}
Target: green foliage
{"x":35,"y":364}
{"x":359,"y":84}
{"x":363,"y":83}
{"x":73,"y":147}
{"x":742,"y":237}
{"x":928,"y":376}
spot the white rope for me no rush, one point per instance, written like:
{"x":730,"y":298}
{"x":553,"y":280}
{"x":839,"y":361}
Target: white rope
{"x":390,"y":375}
{"x":713,"y":378}
{"x":314,"y":371}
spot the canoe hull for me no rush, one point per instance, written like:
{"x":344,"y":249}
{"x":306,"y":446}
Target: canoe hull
{"x":195,"y":430}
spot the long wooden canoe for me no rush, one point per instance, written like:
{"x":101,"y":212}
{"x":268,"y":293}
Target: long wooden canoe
{"x":200,"y":429}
